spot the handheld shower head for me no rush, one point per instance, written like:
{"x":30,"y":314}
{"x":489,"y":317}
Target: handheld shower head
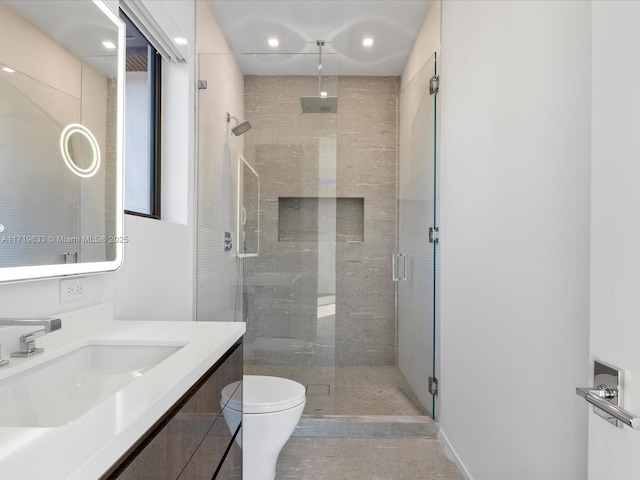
{"x":240,"y":128}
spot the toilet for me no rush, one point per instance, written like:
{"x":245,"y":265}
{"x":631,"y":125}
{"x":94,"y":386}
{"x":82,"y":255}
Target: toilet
{"x":272,"y":408}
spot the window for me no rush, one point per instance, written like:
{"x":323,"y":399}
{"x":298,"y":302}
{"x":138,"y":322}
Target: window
{"x":142,"y":125}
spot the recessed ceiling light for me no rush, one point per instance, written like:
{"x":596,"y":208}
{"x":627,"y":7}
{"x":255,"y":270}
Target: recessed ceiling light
{"x":180,"y":41}
{"x":367,"y":42}
{"x":109,"y":45}
{"x":8,"y":70}
{"x":274,"y":42}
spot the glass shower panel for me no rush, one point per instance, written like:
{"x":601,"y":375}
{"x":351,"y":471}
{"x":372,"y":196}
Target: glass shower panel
{"x":218,"y":294}
{"x":417,"y":213}
{"x":318,"y":299}
{"x":290,"y":287}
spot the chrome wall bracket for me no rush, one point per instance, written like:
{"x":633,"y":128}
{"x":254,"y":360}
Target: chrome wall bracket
{"x":434,"y":235}
{"x":433,"y":386}
{"x":606,"y":397}
{"x":434,"y":85}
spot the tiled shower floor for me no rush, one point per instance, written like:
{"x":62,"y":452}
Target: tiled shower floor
{"x":357,"y":391}
{"x":348,"y":390}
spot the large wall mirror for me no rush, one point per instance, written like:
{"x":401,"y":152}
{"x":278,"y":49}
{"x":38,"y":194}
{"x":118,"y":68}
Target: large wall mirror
{"x":61,"y":104}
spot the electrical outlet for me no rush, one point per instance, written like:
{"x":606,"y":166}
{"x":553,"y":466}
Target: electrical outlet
{"x":71,"y":289}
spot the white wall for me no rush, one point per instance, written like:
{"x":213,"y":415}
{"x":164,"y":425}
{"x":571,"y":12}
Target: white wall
{"x":515,"y":95}
{"x":218,"y":150}
{"x":427,"y":42}
{"x":156,"y":281}
{"x":615,"y":228}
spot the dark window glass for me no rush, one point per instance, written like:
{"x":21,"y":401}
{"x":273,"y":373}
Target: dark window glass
{"x":141,"y":125}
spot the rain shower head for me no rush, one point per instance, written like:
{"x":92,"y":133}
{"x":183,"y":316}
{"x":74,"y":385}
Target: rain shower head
{"x":322,"y":103}
{"x":240,"y":128}
{"x":319,"y":104}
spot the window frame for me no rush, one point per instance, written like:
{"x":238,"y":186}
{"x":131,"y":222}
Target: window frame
{"x":155,"y":126}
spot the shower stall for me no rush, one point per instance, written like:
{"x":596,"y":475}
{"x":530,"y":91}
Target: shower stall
{"x":342,"y":294}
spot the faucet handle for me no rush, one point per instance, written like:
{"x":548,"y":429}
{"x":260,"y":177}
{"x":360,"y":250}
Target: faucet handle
{"x":28,"y":344}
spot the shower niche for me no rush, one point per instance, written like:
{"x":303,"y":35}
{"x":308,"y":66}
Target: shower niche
{"x":300,"y":219}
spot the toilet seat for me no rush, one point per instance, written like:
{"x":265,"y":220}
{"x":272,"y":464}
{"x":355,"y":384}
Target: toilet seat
{"x":263,"y":394}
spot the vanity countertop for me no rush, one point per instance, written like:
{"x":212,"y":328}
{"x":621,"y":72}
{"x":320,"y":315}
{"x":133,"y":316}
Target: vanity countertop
{"x":88,"y":446}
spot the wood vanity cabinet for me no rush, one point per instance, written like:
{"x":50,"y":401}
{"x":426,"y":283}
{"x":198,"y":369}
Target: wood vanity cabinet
{"x":191,"y":441}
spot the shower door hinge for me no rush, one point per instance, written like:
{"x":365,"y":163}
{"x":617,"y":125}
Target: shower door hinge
{"x":434,"y":235}
{"x":434,"y":84}
{"x":202,"y":84}
{"x":433,"y":385}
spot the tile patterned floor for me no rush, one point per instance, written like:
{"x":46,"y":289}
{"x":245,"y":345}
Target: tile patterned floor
{"x":359,"y":391}
{"x":352,"y":390}
{"x":305,"y":458}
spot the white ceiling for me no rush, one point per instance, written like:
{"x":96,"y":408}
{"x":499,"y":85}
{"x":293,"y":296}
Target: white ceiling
{"x":342,"y":24}
{"x":81,"y":27}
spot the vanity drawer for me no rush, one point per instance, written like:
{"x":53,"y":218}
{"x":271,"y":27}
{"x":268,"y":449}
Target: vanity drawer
{"x":218,"y":444}
{"x":192,"y":439}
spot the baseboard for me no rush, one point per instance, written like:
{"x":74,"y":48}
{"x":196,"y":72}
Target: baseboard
{"x":451,"y":453}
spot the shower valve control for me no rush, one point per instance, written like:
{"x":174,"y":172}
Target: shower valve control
{"x":227,"y":244}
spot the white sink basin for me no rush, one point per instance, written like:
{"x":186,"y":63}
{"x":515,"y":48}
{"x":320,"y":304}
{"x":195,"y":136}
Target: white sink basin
{"x":63,"y":389}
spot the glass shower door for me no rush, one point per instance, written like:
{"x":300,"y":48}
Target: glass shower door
{"x":415,"y":267}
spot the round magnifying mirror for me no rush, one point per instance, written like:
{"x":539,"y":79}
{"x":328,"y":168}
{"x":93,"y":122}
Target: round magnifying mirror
{"x":80,"y":150}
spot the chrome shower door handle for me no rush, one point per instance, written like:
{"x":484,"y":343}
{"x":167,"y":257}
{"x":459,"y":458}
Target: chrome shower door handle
{"x":394,"y":266}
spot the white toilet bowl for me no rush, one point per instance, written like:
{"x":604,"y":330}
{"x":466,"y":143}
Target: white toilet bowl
{"x":272,"y":408}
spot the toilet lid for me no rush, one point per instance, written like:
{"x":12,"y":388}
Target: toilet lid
{"x":262,"y":394}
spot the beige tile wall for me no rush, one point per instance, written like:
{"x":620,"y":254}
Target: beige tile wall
{"x":294,"y":155}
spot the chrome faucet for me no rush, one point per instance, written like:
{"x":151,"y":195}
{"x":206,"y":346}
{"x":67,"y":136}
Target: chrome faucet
{"x":28,"y":340}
